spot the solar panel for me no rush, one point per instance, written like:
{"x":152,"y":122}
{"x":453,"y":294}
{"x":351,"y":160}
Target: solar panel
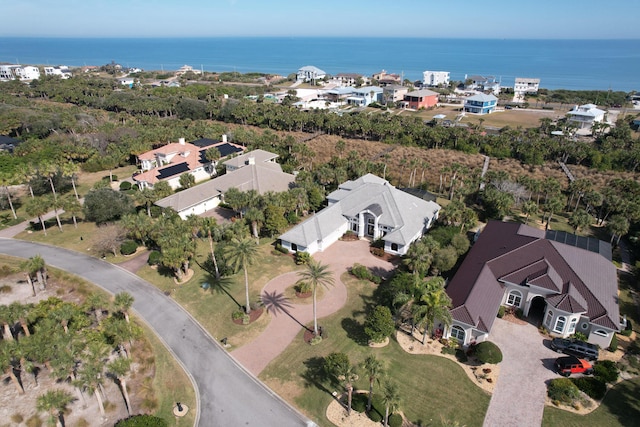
{"x":204,"y":142}
{"x":228,"y":149}
{"x":173,"y":170}
{"x":588,"y":243}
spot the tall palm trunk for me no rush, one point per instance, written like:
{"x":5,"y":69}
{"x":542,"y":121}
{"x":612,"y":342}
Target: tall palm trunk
{"x":315,"y":317}
{"x":125,"y":393}
{"x":246,"y":290}
{"x":33,"y":287}
{"x":7,"y":335}
{"x":213,"y":256}
{"x":13,"y":211}
{"x":96,"y":392}
{"x":44,"y":227}
{"x":15,"y":380}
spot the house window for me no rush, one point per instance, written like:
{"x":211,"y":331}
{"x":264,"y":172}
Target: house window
{"x":601,"y":333}
{"x":294,"y":247}
{"x":572,"y":325}
{"x":458,"y":333}
{"x":514,"y":298}
{"x":394,"y":246}
{"x":547,"y":321}
{"x":560,"y":322}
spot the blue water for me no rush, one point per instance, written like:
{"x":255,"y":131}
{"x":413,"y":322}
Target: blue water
{"x":568,"y":64}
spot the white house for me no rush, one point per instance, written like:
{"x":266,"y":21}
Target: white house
{"x":435,"y":78}
{"x":584,"y":116}
{"x":14,"y":71}
{"x":309,"y":73}
{"x":369,"y":207}
{"x":170,"y":161}
{"x":523,"y":86}
{"x":567,"y":282}
{"x":62,"y":71}
{"x":483,"y":84}
{"x":256,"y":170}
{"x":364,"y":96}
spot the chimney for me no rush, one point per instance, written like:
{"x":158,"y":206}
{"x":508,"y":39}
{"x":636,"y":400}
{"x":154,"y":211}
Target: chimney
{"x":181,"y":141}
{"x":224,"y":137}
{"x":251,"y":160}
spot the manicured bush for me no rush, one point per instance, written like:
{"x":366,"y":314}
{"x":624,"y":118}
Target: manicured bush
{"x":488,"y":352}
{"x":281,"y":248}
{"x":360,"y":271}
{"x":359,"y":402}
{"x":579,"y":336}
{"x":563,"y":390}
{"x":154,"y":258}
{"x":461,"y":355}
{"x":606,"y":370}
{"x":128,"y":247}
{"x":613,"y":346}
{"x":379,"y":324}
{"x":303,"y":287}
{"x":628,"y":329}
{"x":593,"y":387}
{"x":302,"y":258}
{"x":501,"y":311}
{"x":142,"y":421}
{"x":378,"y":252}
{"x":395,"y":420}
{"x":125,"y":186}
{"x":374,"y":415}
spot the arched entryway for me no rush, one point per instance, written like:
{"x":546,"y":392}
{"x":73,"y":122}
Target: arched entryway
{"x":536,"y":310}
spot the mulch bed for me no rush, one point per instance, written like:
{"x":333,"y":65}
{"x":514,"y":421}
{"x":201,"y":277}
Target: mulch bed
{"x":304,"y":294}
{"x":309,"y":335}
{"x":253,"y":316}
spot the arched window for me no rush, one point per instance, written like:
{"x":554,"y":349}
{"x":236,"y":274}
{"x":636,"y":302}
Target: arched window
{"x":601,"y":333}
{"x":572,"y":325}
{"x":547,"y":321}
{"x":514,"y":298}
{"x":457,"y":332}
{"x":560,"y":322}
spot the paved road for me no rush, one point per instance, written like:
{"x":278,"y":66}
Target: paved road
{"x":519,"y":396}
{"x":228,"y":395}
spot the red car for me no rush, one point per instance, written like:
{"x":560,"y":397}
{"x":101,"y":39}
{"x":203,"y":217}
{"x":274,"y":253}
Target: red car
{"x":568,"y":365}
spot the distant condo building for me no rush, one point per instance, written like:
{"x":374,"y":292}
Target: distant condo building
{"x":526,"y":86}
{"x":435,"y":78}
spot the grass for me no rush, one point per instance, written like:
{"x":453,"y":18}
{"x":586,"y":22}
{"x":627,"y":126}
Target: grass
{"x":430,"y":386}
{"x":620,"y":407}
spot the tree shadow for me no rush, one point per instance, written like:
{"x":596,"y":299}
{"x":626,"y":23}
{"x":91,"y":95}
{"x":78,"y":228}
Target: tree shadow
{"x":218,"y":286}
{"x":355,"y":331}
{"x":277,"y":303}
{"x":315,"y":375}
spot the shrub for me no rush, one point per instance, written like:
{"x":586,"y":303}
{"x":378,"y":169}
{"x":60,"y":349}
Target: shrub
{"x":303,"y":287}
{"x":125,"y":186}
{"x":359,"y":402}
{"x":375,"y":416}
{"x":593,"y":387}
{"x":501,"y":311}
{"x":461,"y":355}
{"x":628,"y":329}
{"x":128,"y":247}
{"x":395,"y":420}
{"x":361,"y":272}
{"x":240,"y":314}
{"x":302,"y":258}
{"x":34,"y":421}
{"x":580,"y":336}
{"x":614,"y":343}
{"x":606,"y":370}
{"x":379,"y":324}
{"x":488,"y":352}
{"x":563,"y":390}
{"x":378,"y":252}
{"x":142,"y":421}
{"x":17,"y":418}
{"x":154,"y":258}
{"x":282,"y":249}
{"x":519,"y":313}
{"x":5,"y":289}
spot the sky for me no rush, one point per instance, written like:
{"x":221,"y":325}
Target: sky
{"x":511,"y":19}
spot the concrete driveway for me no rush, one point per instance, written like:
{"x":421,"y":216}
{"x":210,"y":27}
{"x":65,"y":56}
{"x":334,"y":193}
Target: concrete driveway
{"x":519,"y":396}
{"x":227,"y":394}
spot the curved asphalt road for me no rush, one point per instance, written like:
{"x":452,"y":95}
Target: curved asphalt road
{"x":227,"y":394}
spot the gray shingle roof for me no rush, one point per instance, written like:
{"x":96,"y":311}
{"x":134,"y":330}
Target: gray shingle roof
{"x":260,"y":156}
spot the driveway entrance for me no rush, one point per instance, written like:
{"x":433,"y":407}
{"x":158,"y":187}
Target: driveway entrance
{"x":527,"y":364}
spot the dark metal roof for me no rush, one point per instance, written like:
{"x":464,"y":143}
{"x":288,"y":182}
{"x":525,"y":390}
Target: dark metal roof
{"x":173,"y":170}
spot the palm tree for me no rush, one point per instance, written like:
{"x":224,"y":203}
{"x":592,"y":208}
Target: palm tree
{"x":39,"y":267}
{"x":26,"y":173}
{"x":5,"y":180}
{"x":119,"y":368}
{"x":433,"y":304}
{"x":54,"y":402}
{"x":256,"y":218}
{"x":618,"y":226}
{"x":71,"y":169}
{"x":419,"y":257}
{"x":50,"y":170}
{"x":316,"y":274}
{"x":374,"y":369}
{"x":72,"y":206}
{"x":348,"y":376}
{"x":529,"y":207}
{"x":390,"y":399}
{"x":242,"y":253}
{"x":147,"y":198}
{"x":8,"y":362}
{"x":38,"y":207}
{"x":123,"y":302}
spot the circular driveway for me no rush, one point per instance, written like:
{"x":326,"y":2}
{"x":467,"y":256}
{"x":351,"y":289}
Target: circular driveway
{"x":227,"y":394}
{"x":519,"y":396}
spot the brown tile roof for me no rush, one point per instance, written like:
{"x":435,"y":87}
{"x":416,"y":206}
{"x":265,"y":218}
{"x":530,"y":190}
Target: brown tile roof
{"x":583,"y":280}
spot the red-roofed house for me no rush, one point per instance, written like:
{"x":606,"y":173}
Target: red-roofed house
{"x":569,"y":282}
{"x":169,"y":162}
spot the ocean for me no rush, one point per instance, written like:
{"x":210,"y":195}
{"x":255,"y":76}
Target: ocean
{"x":559,"y":64}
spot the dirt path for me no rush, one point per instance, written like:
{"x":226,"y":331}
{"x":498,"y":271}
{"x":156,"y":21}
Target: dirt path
{"x":289,"y":318}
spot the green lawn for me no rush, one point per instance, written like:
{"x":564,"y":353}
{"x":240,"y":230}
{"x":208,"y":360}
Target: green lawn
{"x":431,"y":387}
{"x":621,"y":407}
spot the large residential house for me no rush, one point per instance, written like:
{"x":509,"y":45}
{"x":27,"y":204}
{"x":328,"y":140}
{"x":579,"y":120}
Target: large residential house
{"x":584,"y":116}
{"x":61,"y":71}
{"x":256,"y":170}
{"x":170,"y":161}
{"x":423,"y":98}
{"x":187,"y":69}
{"x":435,"y":78}
{"x":480,"y":103}
{"x":309,"y":73}
{"x":483,"y":84}
{"x":369,"y":207}
{"x":20,"y":72}
{"x":394,"y":93}
{"x":385,"y":79}
{"x":566,"y":281}
{"x":364,"y":96}
{"x":525,"y":86}
{"x":350,"y":79}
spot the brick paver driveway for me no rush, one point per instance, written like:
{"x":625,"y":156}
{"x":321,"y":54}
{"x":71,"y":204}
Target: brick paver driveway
{"x":519,"y":396}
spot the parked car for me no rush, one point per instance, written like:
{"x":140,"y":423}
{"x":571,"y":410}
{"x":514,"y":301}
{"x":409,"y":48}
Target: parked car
{"x":576,"y":348}
{"x":568,"y":365}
